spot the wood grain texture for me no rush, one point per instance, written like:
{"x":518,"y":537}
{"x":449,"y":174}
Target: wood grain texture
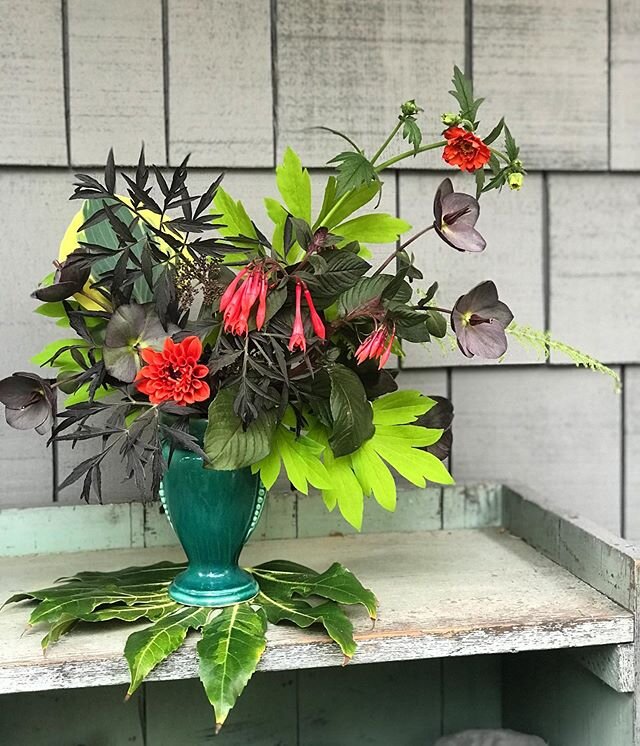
{"x":556,"y":430}
{"x":32,"y":118}
{"x":350,"y":64}
{"x":377,"y":705}
{"x":625,"y":70}
{"x":512,"y":225}
{"x":220,"y":98}
{"x":613,"y":664}
{"x":543,"y":64}
{"x":72,"y":717}
{"x":632,"y":449}
{"x":441,"y":593}
{"x":554,"y":697}
{"x":116,"y":86}
{"x":472,"y":506}
{"x":31,"y":244}
{"x":590,"y":260}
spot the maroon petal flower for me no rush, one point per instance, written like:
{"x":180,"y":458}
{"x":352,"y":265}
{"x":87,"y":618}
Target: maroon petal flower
{"x":69,"y":279}
{"x":455,"y":216}
{"x":479,"y":320}
{"x":29,"y":402}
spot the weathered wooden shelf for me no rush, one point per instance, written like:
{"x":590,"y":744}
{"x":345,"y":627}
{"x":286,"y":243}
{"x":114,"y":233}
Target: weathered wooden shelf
{"x":442,"y":593}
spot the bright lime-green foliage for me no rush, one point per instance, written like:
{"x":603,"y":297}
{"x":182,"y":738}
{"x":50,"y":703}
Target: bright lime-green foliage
{"x":294,"y":185}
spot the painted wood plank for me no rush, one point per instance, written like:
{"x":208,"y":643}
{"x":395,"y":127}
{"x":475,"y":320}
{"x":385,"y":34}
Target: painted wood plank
{"x":613,"y":664}
{"x":220,"y":99}
{"x":441,"y":593}
{"x":350,"y":65}
{"x":429,"y":382}
{"x":26,"y":472}
{"x":557,"y":67}
{"x":632,"y":448}
{"x":32,"y":118}
{"x":471,"y":693}
{"x":116,"y":85}
{"x":531,"y":426}
{"x":471,"y":506}
{"x":625,"y":70}
{"x":265,"y":714}
{"x":582,"y":267}
{"x":552,"y":696}
{"x":512,"y":224}
{"x":95,"y":717}
{"x":375,"y":705}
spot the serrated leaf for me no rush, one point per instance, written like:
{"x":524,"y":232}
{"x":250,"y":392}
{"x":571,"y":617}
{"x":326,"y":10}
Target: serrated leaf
{"x":229,"y":652}
{"x":350,"y":411}
{"x":495,"y":133}
{"x":412,"y":133}
{"x":510,"y":145}
{"x":354,"y":201}
{"x":294,"y":184}
{"x":227,"y":443}
{"x":340,"y":273}
{"x":145,"y":649}
{"x":463,"y":93}
{"x":366,"y":289}
{"x":354,"y":170}
{"x":234,"y":218}
{"x":378,"y":227}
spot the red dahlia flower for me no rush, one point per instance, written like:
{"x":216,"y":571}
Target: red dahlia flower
{"x":238,"y":299}
{"x":465,"y":150}
{"x":377,"y":345}
{"x":174,"y":374}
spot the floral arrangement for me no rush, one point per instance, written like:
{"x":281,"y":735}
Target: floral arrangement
{"x":183,"y":308}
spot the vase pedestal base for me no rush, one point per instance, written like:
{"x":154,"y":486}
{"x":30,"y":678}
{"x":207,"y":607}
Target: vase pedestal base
{"x":223,"y":587}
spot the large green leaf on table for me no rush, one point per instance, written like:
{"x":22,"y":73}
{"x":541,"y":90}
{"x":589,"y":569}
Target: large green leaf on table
{"x":398,"y":443}
{"x":340,"y":272}
{"x":227,"y":443}
{"x":378,"y":227}
{"x":303,"y":614}
{"x":145,"y":649}
{"x":57,"y":630}
{"x":294,"y":184}
{"x":158,"y":574}
{"x":300,"y":456}
{"x":233,"y":217}
{"x":333,"y":212}
{"x":283,"y":579}
{"x":350,"y":411}
{"x":229,"y":652}
{"x":368,"y":289}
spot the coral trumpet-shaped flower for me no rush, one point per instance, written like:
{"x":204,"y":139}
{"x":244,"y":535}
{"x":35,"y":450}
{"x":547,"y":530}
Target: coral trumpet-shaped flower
{"x":316,"y":321}
{"x":465,"y":150}
{"x":297,"y":339}
{"x":376,"y":346}
{"x":175,"y":373}
{"x":248,"y":287}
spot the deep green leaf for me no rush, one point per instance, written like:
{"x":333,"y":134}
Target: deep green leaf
{"x":351,"y":412}
{"x":354,"y":170}
{"x":342,"y":269}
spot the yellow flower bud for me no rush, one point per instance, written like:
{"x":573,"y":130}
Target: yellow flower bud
{"x":515,"y":181}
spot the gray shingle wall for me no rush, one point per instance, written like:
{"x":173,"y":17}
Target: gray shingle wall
{"x":235,"y":81}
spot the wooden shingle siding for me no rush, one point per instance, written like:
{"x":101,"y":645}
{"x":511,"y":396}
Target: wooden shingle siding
{"x":349,"y":65}
{"x":543,"y":63}
{"x":115,"y":80}
{"x":220,"y":97}
{"x":625,"y":86}
{"x":32,"y":117}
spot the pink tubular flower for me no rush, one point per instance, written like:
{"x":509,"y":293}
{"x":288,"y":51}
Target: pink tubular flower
{"x":376,"y":346}
{"x":297,"y":339}
{"x":316,"y":321}
{"x":238,"y":299}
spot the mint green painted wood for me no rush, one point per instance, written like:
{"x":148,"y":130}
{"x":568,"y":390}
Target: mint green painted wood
{"x":471,"y":506}
{"x":213,"y":514}
{"x":471,"y":693}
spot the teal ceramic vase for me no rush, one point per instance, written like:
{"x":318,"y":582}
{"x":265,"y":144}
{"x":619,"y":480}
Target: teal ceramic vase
{"x":213,"y":514}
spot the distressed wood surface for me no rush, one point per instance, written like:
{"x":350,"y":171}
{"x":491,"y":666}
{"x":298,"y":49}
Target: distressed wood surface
{"x":589,"y":259}
{"x":116,"y":78}
{"x":32,"y":118}
{"x":556,"y":430}
{"x":350,"y":64}
{"x":625,"y":71}
{"x":613,"y":664}
{"x":556,"y":71}
{"x":441,"y":593}
{"x":632,"y":449}
{"x":220,"y":98}
{"x":512,"y":224}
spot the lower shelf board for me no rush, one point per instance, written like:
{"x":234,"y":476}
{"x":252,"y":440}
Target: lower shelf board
{"x":441,"y":594}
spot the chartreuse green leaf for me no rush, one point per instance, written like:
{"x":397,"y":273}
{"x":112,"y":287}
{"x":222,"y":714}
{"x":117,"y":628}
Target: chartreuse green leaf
{"x":400,"y":407}
{"x":232,"y":644}
{"x":227,"y":443}
{"x":334,"y":212}
{"x":374,"y":228}
{"x":278,"y":215}
{"x":294,"y":184}
{"x":62,"y":627}
{"x":81,"y":394}
{"x":145,"y":649}
{"x":300,"y":456}
{"x":64,"y":359}
{"x":233,"y":216}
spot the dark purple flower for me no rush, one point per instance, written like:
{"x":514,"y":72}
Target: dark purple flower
{"x":455,"y":216}
{"x":479,"y":320}
{"x":29,"y":401}
{"x":69,"y":279}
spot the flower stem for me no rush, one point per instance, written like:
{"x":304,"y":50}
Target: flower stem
{"x":384,"y":145}
{"x":432,"y":308}
{"x":500,"y":154}
{"x":409,"y":153}
{"x":400,"y":248}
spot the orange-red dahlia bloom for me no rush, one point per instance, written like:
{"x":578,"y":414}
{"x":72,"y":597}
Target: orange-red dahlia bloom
{"x":465,"y":150}
{"x":174,"y":374}
{"x":376,"y":346}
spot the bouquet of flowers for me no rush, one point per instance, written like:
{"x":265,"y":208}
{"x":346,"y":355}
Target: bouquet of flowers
{"x":184,"y":309}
